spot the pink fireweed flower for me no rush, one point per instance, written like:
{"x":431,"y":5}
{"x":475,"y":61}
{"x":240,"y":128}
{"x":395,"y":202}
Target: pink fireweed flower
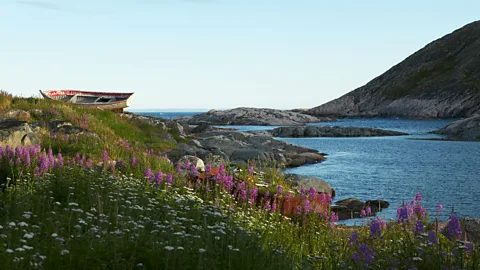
{"x":303,"y":192}
{"x":363,"y":213}
{"x":208,"y":169}
{"x":186,"y":164}
{"x":169,"y":179}
{"x":60,"y":160}
{"x":193,"y":169}
{"x":253,"y":195}
{"x":158,"y":178}
{"x":148,"y":174}
{"x":178,"y":169}
{"x":27,"y":159}
{"x":333,"y":217}
{"x":133,"y":162}
{"x":105,"y":156}
{"x":418,"y":197}
{"x":37,"y":172}
{"x":306,"y":206}
{"x":250,"y":169}
{"x":243,"y":195}
{"x":267,"y":194}
{"x":280,"y":190}
{"x":368,"y":211}
{"x":439,"y":209}
{"x":267,"y":206}
{"x":274,"y":207}
{"x":312,"y":194}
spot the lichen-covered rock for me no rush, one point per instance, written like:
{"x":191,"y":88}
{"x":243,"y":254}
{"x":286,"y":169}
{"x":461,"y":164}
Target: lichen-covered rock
{"x":17,"y":133}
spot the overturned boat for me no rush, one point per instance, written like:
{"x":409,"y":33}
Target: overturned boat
{"x":90,"y":99}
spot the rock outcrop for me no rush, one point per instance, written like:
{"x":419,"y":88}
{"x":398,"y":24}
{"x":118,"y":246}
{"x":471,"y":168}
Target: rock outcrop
{"x":464,"y":129}
{"x":352,"y":207}
{"x":442,"y":80}
{"x":252,"y":116}
{"x":317,"y":131}
{"x":16,"y":133}
{"x":304,"y":181}
{"x":240,"y":147}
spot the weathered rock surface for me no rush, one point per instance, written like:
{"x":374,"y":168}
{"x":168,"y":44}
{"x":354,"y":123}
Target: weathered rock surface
{"x":65,"y":127}
{"x":16,"y":133}
{"x":352,"y":207}
{"x":464,"y":129}
{"x":304,"y":181}
{"x":440,"y":80}
{"x":472,"y":229}
{"x":252,"y":116}
{"x":316,"y":131}
{"x":240,"y":147}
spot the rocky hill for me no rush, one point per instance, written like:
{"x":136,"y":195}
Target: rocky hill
{"x":440,"y":80}
{"x":463,"y":129}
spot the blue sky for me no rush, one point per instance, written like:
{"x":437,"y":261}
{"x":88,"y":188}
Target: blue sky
{"x":215,"y":53}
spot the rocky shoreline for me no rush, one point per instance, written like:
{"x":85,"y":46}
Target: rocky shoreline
{"x":335,"y":131}
{"x":464,"y":129}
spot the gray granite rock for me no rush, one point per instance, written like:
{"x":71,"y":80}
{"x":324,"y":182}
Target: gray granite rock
{"x":321,"y":131}
{"x":464,"y":129}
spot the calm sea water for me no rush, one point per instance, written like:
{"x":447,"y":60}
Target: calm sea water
{"x":396,"y":168}
{"x":168,"y":115}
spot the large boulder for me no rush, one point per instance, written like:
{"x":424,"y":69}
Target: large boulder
{"x":304,"y":181}
{"x":192,"y":160}
{"x":352,"y":207}
{"x":17,"y":133}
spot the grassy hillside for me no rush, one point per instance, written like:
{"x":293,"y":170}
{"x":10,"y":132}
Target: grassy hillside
{"x":101,"y":202}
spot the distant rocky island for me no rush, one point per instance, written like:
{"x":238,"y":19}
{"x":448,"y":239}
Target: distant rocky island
{"x":252,"y":117}
{"x":442,"y":80}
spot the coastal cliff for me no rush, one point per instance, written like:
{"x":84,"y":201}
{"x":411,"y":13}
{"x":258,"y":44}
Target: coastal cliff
{"x":442,"y":80}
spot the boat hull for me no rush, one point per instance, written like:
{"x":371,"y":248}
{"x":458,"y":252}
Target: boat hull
{"x":92,"y":100}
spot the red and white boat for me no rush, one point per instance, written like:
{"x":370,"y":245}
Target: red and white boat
{"x":90,"y":99}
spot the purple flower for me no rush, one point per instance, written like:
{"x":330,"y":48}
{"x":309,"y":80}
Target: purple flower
{"x":303,"y":192}
{"x":208,"y":169}
{"x":402,"y":214}
{"x":454,"y":230}
{"x":105,"y":156}
{"x":267,"y":206}
{"x":439,"y":209}
{"x":333,"y":217}
{"x":253,"y":195}
{"x":27,"y":159}
{"x":267,"y":194}
{"x":243,"y":195}
{"x":369,"y":211}
{"x":193,"y":169}
{"x":148,"y":174}
{"x":274,"y":207}
{"x":133,"y":162}
{"x":288,"y":195}
{"x":299,"y":210}
{"x":37,"y":172}
{"x":418,"y":197}
{"x":306,"y":206}
{"x":375,"y":230}
{"x":178,"y":168}
{"x":419,"y":228}
{"x":469,"y":247}
{"x":354,"y":238}
{"x":250,"y":169}
{"x":280,"y":190}
{"x":363,"y":213}
{"x":158,"y":178}
{"x":60,"y":160}
{"x":312,"y":194}
{"x":186,"y":164}
{"x":432,"y":238}
{"x":169,"y":179}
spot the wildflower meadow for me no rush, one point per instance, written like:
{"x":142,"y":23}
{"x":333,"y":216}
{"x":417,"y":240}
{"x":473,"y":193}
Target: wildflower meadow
{"x":113,"y":201}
